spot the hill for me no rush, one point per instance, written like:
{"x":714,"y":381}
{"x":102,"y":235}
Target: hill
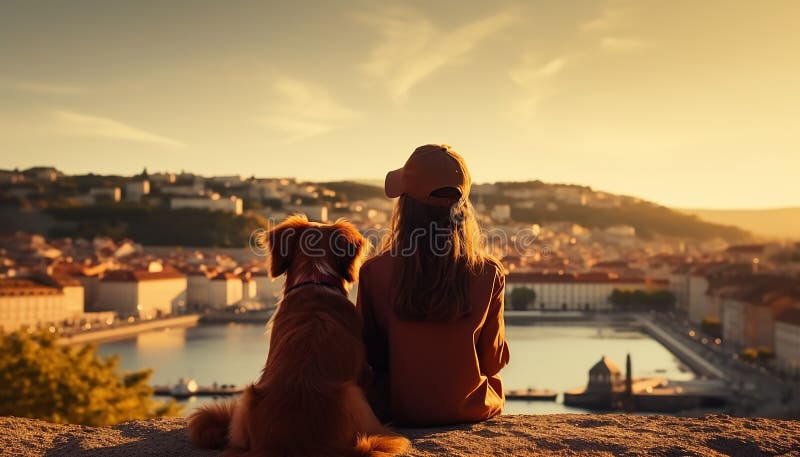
{"x":781,"y":223}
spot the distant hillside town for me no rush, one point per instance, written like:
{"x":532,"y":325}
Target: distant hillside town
{"x":90,"y":250}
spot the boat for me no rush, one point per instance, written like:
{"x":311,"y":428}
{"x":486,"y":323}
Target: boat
{"x":186,"y":388}
{"x":531,"y":394}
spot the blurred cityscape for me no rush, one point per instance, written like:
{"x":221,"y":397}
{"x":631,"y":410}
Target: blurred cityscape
{"x":86,"y":254}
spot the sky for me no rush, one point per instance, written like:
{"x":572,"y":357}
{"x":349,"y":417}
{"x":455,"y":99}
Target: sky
{"x":686,"y":103}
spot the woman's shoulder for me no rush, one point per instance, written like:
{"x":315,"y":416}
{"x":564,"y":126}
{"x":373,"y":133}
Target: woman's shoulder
{"x":491,"y":268}
{"x":375,"y":264}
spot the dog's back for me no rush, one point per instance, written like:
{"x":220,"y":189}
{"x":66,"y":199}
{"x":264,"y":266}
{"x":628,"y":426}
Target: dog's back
{"x":315,"y":350}
{"x":307,"y":401}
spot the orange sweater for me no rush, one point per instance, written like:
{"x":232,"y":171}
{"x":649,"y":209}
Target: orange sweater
{"x":429,"y":373}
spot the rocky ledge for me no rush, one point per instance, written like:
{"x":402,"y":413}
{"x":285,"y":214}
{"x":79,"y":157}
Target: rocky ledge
{"x":556,"y":435}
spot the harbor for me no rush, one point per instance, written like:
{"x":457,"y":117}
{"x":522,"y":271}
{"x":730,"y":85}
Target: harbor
{"x":608,"y":390}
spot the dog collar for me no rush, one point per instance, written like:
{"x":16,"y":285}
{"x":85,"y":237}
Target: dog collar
{"x":328,"y":281}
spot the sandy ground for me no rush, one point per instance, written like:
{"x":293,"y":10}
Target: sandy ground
{"x":556,"y":435}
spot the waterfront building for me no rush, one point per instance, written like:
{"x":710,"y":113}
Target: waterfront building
{"x":225,"y":289}
{"x":38,"y":301}
{"x":749,"y":311}
{"x":248,"y":286}
{"x":198,"y":285}
{"x":605,"y":376}
{"x":268,"y":290}
{"x":576,"y":291}
{"x":146,"y":293}
{"x":787,"y":340}
{"x":606,"y":389}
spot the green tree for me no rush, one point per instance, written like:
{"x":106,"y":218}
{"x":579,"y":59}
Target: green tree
{"x":522,"y":297}
{"x":40,"y":379}
{"x":642,"y":300}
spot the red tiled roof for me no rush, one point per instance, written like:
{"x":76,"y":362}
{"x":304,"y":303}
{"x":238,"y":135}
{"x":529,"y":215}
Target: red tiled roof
{"x":141,"y":275}
{"x":225,"y":276}
{"x":20,"y":287}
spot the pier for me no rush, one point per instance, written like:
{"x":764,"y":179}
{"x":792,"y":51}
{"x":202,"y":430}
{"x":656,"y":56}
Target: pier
{"x":531,"y":395}
{"x":688,"y":356}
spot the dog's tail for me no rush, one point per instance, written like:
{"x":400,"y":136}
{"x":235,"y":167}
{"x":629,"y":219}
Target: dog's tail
{"x":381,"y":445}
{"x":208,"y":426}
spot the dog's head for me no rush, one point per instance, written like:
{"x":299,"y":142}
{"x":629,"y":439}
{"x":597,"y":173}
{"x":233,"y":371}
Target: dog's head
{"x":302,"y":246}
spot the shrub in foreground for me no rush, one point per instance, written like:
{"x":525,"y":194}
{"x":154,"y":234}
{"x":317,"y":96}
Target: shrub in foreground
{"x":41,"y":380}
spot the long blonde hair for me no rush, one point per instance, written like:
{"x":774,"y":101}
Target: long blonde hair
{"x":440,"y":251}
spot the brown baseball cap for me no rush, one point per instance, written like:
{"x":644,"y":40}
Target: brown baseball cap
{"x":430,"y":168}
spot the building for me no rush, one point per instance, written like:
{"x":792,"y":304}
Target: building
{"x":134,"y":191}
{"x":746,"y":324}
{"x":679,"y":286}
{"x":106,"y":194}
{"x":746,"y":253}
{"x":605,"y":376}
{"x":787,"y":341}
{"x":145,"y":294}
{"x":46,"y":174}
{"x":212,"y":203}
{"x":268,"y":290}
{"x":697,"y":288}
{"x":225,"y":289}
{"x":197,"y":189}
{"x":248,"y":286}
{"x":749,"y":310}
{"x":227,"y":181}
{"x":606,"y":389}
{"x":38,"y":301}
{"x":317,"y":213}
{"x":500,"y":213}
{"x":576,"y":291}
{"x":198,"y":285}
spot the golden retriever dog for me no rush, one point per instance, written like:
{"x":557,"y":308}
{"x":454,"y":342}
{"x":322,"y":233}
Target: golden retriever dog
{"x":308,"y":401}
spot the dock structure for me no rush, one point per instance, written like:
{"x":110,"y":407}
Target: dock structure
{"x":186,"y":390}
{"x":608,"y":391}
{"x":531,"y":395}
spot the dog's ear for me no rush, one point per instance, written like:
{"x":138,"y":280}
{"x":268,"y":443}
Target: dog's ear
{"x":350,"y":249}
{"x":282,"y":241}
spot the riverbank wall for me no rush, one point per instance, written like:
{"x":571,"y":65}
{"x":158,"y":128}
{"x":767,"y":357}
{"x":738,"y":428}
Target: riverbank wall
{"x":124,"y":331}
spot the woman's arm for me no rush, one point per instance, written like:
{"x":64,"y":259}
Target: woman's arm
{"x":493,"y":353}
{"x":375,"y":380}
{"x":375,"y":342}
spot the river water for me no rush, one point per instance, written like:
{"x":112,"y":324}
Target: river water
{"x":554,"y":357}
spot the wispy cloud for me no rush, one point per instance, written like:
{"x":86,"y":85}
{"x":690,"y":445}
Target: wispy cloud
{"x":43,"y":88}
{"x":536,"y":77}
{"x":303,"y":110}
{"x":613,"y":15}
{"x":620,"y":45}
{"x":411,"y":47}
{"x":77,"y":124}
